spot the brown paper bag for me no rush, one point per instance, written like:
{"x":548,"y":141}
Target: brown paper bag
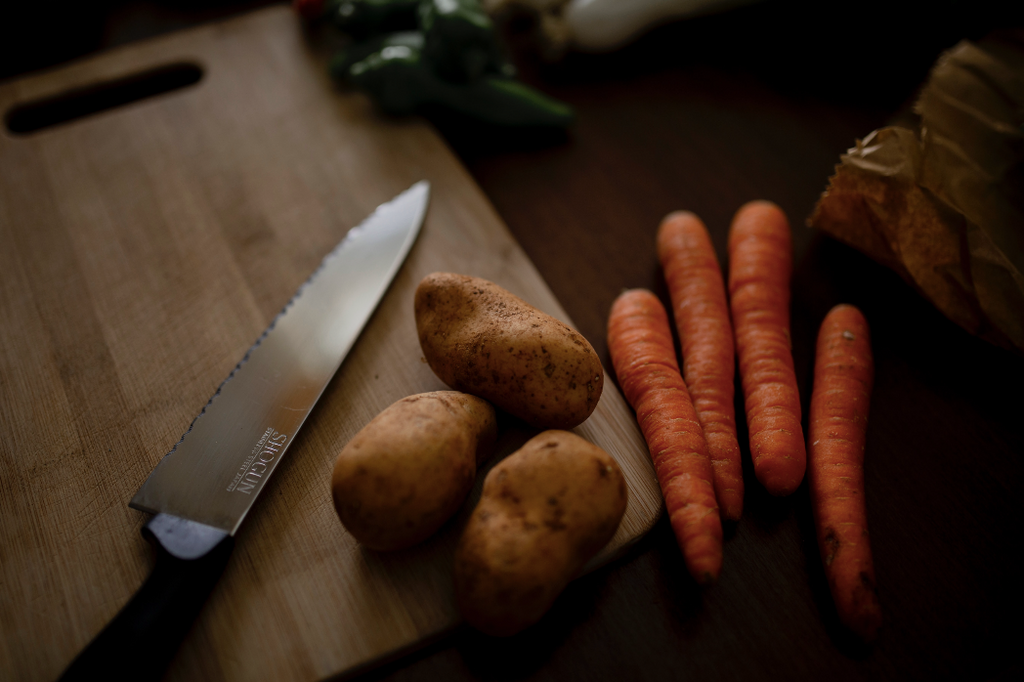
{"x":944,"y":205}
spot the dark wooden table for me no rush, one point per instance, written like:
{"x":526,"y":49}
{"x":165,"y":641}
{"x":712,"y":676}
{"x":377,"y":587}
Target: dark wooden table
{"x":706,"y":115}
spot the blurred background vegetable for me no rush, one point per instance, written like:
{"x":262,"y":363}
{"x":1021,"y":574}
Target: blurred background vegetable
{"x":415,"y":56}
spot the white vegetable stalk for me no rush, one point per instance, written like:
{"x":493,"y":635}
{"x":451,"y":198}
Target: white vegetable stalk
{"x":603,"y":25}
{"x":600,"y":25}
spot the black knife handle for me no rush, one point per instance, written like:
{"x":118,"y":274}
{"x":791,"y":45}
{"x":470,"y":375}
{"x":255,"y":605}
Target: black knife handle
{"x":143,"y":638}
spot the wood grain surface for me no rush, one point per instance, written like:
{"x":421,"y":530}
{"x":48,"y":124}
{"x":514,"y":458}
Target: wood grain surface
{"x":705,"y":114}
{"x":145,"y":249}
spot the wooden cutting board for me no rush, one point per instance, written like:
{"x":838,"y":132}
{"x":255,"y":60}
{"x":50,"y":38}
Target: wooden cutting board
{"x":144,"y":249}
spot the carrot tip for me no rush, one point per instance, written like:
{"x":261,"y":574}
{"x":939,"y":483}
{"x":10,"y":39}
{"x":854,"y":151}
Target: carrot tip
{"x":866,"y":626}
{"x":678,"y":215}
{"x":705,"y":578}
{"x":777,"y":485}
{"x":758,"y":203}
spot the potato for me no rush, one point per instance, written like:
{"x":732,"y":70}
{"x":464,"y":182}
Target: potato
{"x":544,"y":512}
{"x":409,"y":470}
{"x":483,"y":340}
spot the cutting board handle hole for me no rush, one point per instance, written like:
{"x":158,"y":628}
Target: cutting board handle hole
{"x":30,"y":117}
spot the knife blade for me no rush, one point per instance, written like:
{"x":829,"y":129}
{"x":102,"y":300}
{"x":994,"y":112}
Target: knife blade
{"x":201,"y":491}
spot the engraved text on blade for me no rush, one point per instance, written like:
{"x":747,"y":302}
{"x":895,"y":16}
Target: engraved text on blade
{"x":256,"y":464}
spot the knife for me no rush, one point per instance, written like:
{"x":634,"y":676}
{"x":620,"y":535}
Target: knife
{"x":202,"y":489}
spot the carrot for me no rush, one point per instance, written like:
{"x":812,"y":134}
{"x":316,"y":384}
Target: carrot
{"x":644,"y":358}
{"x":760,"y":263}
{"x":702,"y":318}
{"x":843,"y":374}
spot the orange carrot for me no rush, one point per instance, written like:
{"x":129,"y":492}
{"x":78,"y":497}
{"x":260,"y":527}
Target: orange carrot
{"x":760,"y":263}
{"x":644,"y":357}
{"x":702,"y":318}
{"x":843,"y":374}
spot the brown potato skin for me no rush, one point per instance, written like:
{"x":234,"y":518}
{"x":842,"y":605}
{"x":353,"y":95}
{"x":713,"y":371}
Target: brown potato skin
{"x":481,"y":339}
{"x":409,"y":470}
{"x":545,"y":510}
